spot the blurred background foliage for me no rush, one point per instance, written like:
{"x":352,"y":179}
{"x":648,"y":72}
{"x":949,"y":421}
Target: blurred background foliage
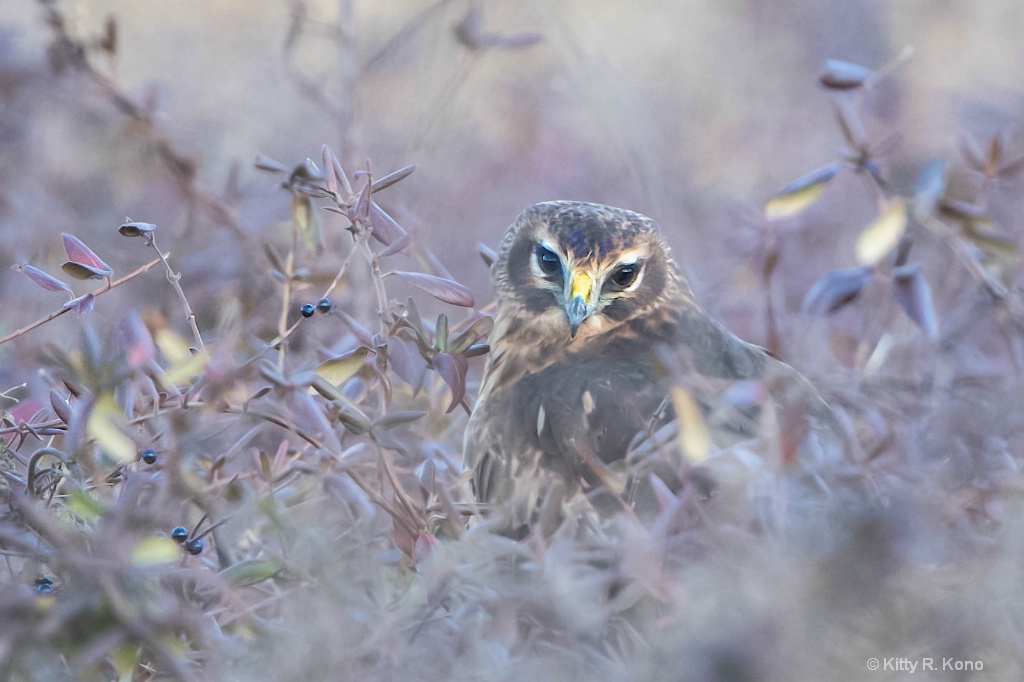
{"x":695,"y":113}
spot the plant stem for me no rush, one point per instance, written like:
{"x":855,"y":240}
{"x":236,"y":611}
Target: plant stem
{"x":58,"y":313}
{"x":175,"y":280}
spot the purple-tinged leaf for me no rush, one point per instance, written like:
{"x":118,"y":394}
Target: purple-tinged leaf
{"x":360,"y":210}
{"x":1012,"y":167}
{"x":337,"y":181}
{"x":996,"y":147}
{"x":108,"y":43}
{"x":476,"y":350}
{"x":516,"y":40}
{"x":469,"y":30}
{"x":134,"y":340}
{"x":398,"y":418}
{"x":136,"y":229}
{"x":840,"y":75}
{"x":81,"y":254}
{"x":392,"y":178}
{"x":273,"y":257}
{"x":44,"y":280}
{"x":397,"y":247}
{"x":305,"y":173}
{"x":972,"y":153}
{"x":962,"y":210}
{"x":385,"y":229}
{"x":407,"y":362}
{"x":801,"y":193}
{"x":60,"y":406}
{"x":265,"y":163}
{"x":452,"y":369}
{"x":930,"y":187}
{"x":445,"y":290}
{"x":902,"y":252}
{"x":361,"y":332}
{"x":488,"y":254}
{"x":914,"y":295}
{"x":435,"y":263}
{"x":82,"y":304}
{"x":836,"y":289}
{"x":850,"y":123}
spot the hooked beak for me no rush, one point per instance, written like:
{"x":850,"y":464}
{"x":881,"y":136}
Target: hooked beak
{"x":579,"y":307}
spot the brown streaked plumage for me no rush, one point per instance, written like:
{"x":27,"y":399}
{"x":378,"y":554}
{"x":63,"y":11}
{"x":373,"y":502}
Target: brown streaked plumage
{"x":594,"y":326}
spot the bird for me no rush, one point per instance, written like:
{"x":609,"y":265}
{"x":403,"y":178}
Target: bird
{"x":596,"y":335}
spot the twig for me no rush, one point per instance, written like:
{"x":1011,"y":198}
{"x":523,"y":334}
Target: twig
{"x":58,"y":313}
{"x":174,"y":278}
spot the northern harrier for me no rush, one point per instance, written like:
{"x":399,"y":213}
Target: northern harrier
{"x":595,"y":325}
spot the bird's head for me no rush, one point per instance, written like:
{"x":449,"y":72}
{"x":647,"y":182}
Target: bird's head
{"x":575,"y":269}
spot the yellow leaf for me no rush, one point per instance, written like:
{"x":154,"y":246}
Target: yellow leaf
{"x":801,"y":193}
{"x":340,"y":369}
{"x":307,"y":220}
{"x":694,"y":438}
{"x":85,"y":506}
{"x":184,"y":364}
{"x":172,"y":346}
{"x":104,"y":426}
{"x":791,"y":204}
{"x":881,"y":236}
{"x":125,"y":659}
{"x":156,"y":550}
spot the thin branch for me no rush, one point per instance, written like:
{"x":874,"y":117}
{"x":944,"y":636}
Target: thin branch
{"x":58,"y":313}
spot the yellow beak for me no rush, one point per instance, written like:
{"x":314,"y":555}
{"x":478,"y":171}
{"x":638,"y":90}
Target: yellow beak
{"x":579,"y":307}
{"x":582,"y":286}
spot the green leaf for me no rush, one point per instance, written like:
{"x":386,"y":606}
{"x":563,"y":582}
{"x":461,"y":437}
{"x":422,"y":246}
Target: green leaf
{"x":251,"y":571}
{"x":85,"y":506}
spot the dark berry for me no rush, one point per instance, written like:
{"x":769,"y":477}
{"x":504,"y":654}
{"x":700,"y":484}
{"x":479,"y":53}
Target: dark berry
{"x":194,"y":546}
{"x":179,"y":534}
{"x":44,"y":588}
{"x":307,"y":310}
{"x":149,"y":456}
{"x":324,"y":305}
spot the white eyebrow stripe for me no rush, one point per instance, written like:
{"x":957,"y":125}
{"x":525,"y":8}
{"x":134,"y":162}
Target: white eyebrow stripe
{"x":632,"y":257}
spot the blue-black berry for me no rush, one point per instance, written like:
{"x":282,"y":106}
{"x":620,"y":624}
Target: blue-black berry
{"x":179,"y":534}
{"x":307,"y":310}
{"x":194,"y":546}
{"x":149,"y":456}
{"x":324,"y":305}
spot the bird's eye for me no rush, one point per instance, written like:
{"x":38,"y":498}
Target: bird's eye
{"x":625,"y":275}
{"x":548,"y":260}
